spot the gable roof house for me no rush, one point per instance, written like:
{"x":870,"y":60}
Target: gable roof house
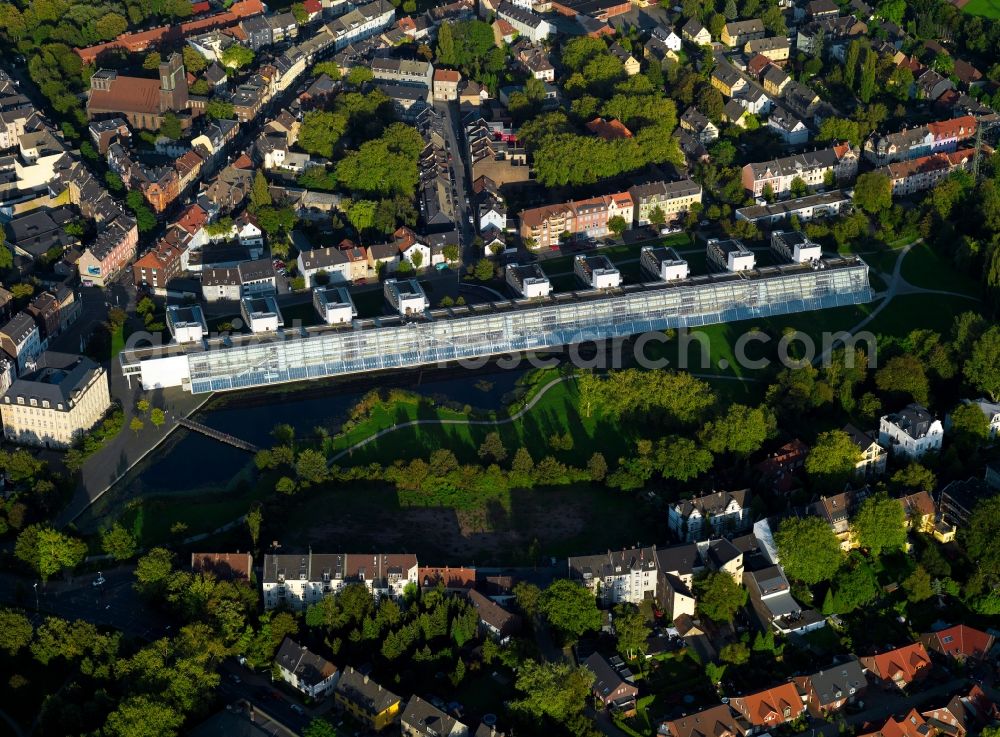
{"x":911,"y":432}
{"x":738,"y":33}
{"x":696,"y":33}
{"x":963,"y":714}
{"x":899,"y":667}
{"x":422,"y":719}
{"x":306,"y":671}
{"x":366,"y":700}
{"x":715,"y":721}
{"x":493,"y":618}
{"x":872,"y":456}
{"x":836,"y":510}
{"x":610,"y":688}
{"x":770,"y":707}
{"x":911,"y":725}
{"x":676,"y":567}
{"x":773,"y":604}
{"x":619,"y":576}
{"x":711,"y":515}
{"x":959,"y":642}
{"x":832,"y":688}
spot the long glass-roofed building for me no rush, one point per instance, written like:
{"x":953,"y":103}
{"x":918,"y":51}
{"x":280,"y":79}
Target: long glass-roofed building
{"x":244,"y":361}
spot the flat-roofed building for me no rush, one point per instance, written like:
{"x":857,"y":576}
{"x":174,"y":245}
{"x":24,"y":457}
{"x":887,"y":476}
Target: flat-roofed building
{"x":406,"y":296}
{"x":730,"y":255}
{"x":334,"y":305}
{"x":822,"y":204}
{"x":663,"y":263}
{"x":186,"y":323}
{"x":261,"y":314}
{"x":55,"y":404}
{"x":794,"y":246}
{"x":597,"y":272}
{"x":528,"y":280}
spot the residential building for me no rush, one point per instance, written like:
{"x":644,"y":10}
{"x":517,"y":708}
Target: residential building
{"x":232,"y":185}
{"x":696,"y":33}
{"x":186,"y":324}
{"x":422,"y":719}
{"x":960,"y":642}
{"x":461,"y":579}
{"x":964,"y":715}
{"x":496,"y":621}
{"x":872,"y":457}
{"x":307,"y":672}
{"x":919,"y":175}
{"x":366,"y":701}
{"x":528,"y":24}
{"x":597,"y":272}
{"x":242,"y":719}
{"x":699,"y":125}
{"x":155,"y":268}
{"x":774,"y":606}
{"x":723,"y":556}
{"x":261,"y":314}
{"x":143,"y":102}
{"x":34,"y":234}
{"x":44,"y":310}
{"x":920,"y":511}
{"x":781,"y":469}
{"x":360,"y":23}
{"x":674,"y":199}
{"x":837,"y":510}
{"x":334,"y":305}
{"x":831,"y":689}
{"x":545,"y":225}
{"x":822,"y":204}
{"x":728,"y":80}
{"x":899,"y":667}
{"x":771,"y":707}
{"x":406,"y":296}
{"x":911,"y":432}
{"x":629,"y":575}
{"x":297,"y":581}
{"x":535,"y":61}
{"x":775,"y":48}
{"x":246,"y":279}
{"x":21,"y":339}
{"x":446,"y":82}
{"x":738,"y":33}
{"x":730,"y":255}
{"x":914,"y":143}
{"x":613,"y":691}
{"x":225,"y":566}
{"x":404,"y":71}
{"x":774,"y":80}
{"x":789,"y":128}
{"x":709,"y":516}
{"x":329,"y":260}
{"x":111,"y":252}
{"x":662,"y":263}
{"x":629,"y":62}
{"x":815,"y":169}
{"x":670,"y":39}
{"x":992,"y":412}
{"x":910,"y":725}
{"x":529,"y":281}
{"x":715,"y":721}
{"x":676,"y":567}
{"x":795,"y":247}
{"x":958,"y":500}
{"x":62,"y":397}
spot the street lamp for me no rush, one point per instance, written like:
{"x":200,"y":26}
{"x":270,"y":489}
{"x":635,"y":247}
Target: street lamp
{"x":36,"y":595}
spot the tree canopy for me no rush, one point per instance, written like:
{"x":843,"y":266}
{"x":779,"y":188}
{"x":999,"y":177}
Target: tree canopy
{"x":808,"y":549}
{"x":879,"y":525}
{"x":570,"y":608}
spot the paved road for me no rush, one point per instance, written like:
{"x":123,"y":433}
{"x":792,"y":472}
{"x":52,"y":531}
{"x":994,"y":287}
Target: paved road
{"x":463,"y":184}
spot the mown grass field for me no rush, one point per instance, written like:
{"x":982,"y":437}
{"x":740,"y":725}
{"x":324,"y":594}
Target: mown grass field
{"x":985,"y":8}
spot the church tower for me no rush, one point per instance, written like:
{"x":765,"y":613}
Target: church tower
{"x":173,"y":84}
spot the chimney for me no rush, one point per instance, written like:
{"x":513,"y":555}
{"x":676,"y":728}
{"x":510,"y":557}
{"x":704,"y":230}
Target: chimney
{"x":366,"y":680}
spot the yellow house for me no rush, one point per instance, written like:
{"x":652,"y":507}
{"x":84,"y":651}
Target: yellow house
{"x":628,"y":61}
{"x":737,"y":33}
{"x":775,"y":48}
{"x":366,"y":701}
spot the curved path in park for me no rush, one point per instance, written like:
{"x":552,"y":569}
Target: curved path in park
{"x":488,"y":423}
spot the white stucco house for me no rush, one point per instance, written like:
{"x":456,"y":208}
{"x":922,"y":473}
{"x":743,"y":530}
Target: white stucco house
{"x":911,"y":432}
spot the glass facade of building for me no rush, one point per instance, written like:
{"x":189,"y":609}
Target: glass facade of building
{"x":519,"y":326}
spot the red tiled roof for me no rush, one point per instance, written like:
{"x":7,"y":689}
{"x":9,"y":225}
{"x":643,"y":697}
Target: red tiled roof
{"x":903,"y":169}
{"x":193,"y":219}
{"x":912,"y":725}
{"x":960,"y":641}
{"x":243,"y":162}
{"x":128,"y":94}
{"x":609,"y":130}
{"x":902,"y":665}
{"x":223,"y":565}
{"x":199,"y":8}
{"x":446,"y":75}
{"x":452,"y":578}
{"x":768,"y":707}
{"x":312,"y":6}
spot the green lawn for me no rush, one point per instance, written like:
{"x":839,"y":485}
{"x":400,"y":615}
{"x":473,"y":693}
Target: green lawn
{"x":985,"y":8}
{"x":924,"y":267}
{"x":117,"y":342}
{"x":623,"y":250}
{"x":928,"y":311}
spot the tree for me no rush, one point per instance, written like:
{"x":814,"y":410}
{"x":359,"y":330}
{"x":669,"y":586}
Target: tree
{"x":492,"y":447}
{"x":719,"y":596}
{"x":483,"y":270}
{"x":219,"y":110}
{"x":617,"y":225}
{"x":730,"y":10}
{"x":982,"y":368}
{"x":555,"y":690}
{"x":118,"y":542}
{"x":311,"y":466}
{"x":833,"y":460}
{"x":918,"y":585}
{"x":969,"y":426}
{"x":631,"y":630}
{"x":570,"y":608}
{"x":16,"y":631}
{"x":736,"y":653}
{"x":157,"y":417}
{"x":597,"y":467}
{"x":110,"y":26}
{"x":774,"y":21}
{"x":319,"y":727}
{"x":914,"y":477}
{"x":808,"y":549}
{"x":853,"y":586}
{"x":237,"y":57}
{"x":798,"y":187}
{"x":141,"y":716}
{"x":136,"y":425}
{"x":657,"y":217}
{"x":450,"y":253}
{"x":873,"y":192}
{"x":254,"y":519}
{"x":980,"y":539}
{"x":151,"y":60}
{"x":48,"y":551}
{"x":142,"y":405}
{"x":260,"y":194}
{"x":866,"y":87}
{"x":741,"y":431}
{"x":528,"y":598}
{"x":152,"y":572}
{"x":905,"y":375}
{"x":320,"y":132}
{"x":171,"y":126}
{"x":193,"y":61}
{"x":880,"y":524}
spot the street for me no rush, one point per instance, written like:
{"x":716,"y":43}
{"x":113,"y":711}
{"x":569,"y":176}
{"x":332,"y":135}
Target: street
{"x":464,"y":202}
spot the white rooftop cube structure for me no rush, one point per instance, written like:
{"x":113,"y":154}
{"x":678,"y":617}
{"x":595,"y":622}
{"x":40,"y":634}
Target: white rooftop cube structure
{"x":529,"y":280}
{"x":795,"y":247}
{"x":663,"y":263}
{"x":406,"y":296}
{"x":186,"y":324}
{"x":597,"y":272}
{"x":261,"y":314}
{"x":334,"y":305}
{"x":730,"y":255}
